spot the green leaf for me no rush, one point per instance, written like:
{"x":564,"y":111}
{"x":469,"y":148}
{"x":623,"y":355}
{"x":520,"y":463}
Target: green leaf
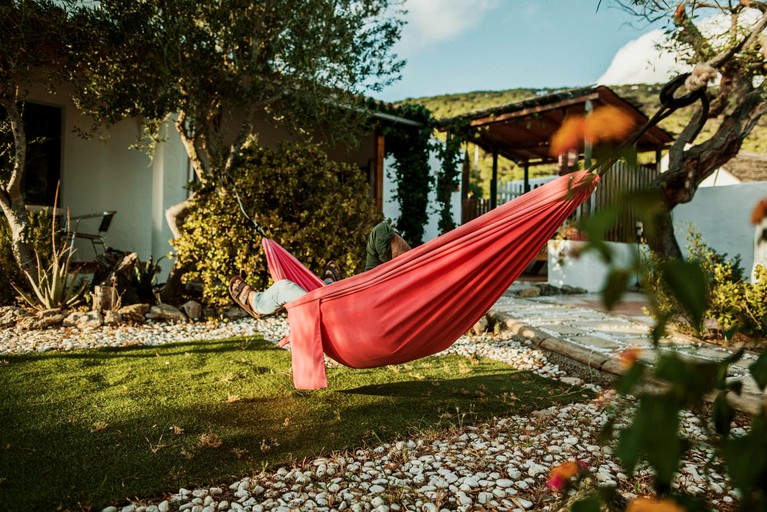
{"x":654,"y":432}
{"x":625,"y":383}
{"x":597,"y":224}
{"x":687,"y":283}
{"x":735,"y":357}
{"x":690,"y":380}
{"x":723,"y":414}
{"x":590,"y":504}
{"x":735,"y":386}
{"x":746,"y":456}
{"x":629,"y":447}
{"x":605,"y":435}
{"x":615,"y":287}
{"x":629,"y":154}
{"x":758,"y":371}
{"x":659,"y":329}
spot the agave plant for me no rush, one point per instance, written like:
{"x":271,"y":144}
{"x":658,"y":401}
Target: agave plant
{"x":55,"y":287}
{"x":144,"y":274}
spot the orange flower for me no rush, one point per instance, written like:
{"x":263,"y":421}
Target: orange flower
{"x":630,"y":356}
{"x":607,"y":123}
{"x":559,"y":475}
{"x":568,"y":136}
{"x":644,"y":504}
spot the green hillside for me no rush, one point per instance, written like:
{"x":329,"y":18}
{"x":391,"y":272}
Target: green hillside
{"x":644,"y":96}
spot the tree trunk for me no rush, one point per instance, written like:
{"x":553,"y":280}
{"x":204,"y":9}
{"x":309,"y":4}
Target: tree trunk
{"x":689,"y":167}
{"x":661,"y":238}
{"x":11,"y":199}
{"x":177,"y":214}
{"x":21,"y":243}
{"x":175,"y":217}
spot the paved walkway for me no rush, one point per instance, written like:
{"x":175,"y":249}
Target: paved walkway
{"x":579,"y":328}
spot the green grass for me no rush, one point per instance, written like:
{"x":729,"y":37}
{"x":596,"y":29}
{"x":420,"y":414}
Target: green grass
{"x":92,"y":428}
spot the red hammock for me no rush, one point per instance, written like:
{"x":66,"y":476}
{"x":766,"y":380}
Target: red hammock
{"x":421,"y":302}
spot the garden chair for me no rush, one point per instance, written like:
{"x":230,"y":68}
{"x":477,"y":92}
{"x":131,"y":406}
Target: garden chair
{"x":97,"y":238}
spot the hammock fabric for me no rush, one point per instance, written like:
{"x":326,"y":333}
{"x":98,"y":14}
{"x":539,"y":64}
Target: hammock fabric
{"x":422,"y":301}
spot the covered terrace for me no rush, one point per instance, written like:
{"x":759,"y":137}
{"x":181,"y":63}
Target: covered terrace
{"x":521,"y":131}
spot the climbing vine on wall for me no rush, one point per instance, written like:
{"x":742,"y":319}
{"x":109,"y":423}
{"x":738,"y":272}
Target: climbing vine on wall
{"x":411,"y":146}
{"x":448,"y":180}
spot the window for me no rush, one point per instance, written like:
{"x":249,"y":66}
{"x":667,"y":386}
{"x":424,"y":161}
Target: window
{"x":43,"y":129}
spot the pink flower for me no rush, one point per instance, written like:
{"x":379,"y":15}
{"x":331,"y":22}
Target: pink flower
{"x":560,"y":475}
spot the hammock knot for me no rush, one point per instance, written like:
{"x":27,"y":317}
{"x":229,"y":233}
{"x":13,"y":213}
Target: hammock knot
{"x":701,"y":75}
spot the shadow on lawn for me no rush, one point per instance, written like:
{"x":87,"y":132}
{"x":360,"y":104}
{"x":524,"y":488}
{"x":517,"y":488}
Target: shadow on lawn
{"x":481,"y":385}
{"x":91,"y":428}
{"x":250,"y":343}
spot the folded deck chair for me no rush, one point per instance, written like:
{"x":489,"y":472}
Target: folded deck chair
{"x":419,"y":303}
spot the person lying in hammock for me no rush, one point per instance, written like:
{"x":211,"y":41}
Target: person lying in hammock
{"x":384,"y":244}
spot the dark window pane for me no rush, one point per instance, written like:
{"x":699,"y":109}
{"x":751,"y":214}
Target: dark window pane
{"x":43,"y":129}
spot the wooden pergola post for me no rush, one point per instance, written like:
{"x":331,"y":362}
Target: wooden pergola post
{"x":378,"y":169}
{"x":526,"y":167}
{"x":494,"y":180}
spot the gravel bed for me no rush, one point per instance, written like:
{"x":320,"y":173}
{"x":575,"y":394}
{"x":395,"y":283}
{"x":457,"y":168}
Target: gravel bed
{"x":498,"y":465}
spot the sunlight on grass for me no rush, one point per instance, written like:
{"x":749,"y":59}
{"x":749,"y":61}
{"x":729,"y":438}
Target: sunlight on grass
{"x":94,"y":427}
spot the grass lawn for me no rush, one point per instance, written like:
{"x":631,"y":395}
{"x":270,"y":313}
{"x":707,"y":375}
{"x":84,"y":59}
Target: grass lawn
{"x":91,"y":428}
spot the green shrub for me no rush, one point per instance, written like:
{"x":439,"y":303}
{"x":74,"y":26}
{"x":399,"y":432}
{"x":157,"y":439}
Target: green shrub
{"x":732,"y":301}
{"x":315,"y":208}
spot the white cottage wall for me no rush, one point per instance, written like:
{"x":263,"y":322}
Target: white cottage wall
{"x":170,"y":176}
{"x":102,"y":173}
{"x":723,"y":217}
{"x":98,"y":176}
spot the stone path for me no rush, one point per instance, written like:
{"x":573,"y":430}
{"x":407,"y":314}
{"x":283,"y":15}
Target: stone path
{"x":576,"y":327}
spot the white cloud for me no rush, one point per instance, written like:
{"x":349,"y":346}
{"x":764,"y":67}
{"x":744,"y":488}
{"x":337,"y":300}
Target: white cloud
{"x":433,"y":21}
{"x":645,"y":61}
{"x":641,"y":61}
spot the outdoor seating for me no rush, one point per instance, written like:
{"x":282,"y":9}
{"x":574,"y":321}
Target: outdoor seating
{"x":97,"y":238}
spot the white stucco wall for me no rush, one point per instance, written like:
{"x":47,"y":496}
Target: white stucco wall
{"x":391,"y":206}
{"x":586,"y":271}
{"x":170,"y":176}
{"x":103,"y":173}
{"x":100,"y":175}
{"x":723,"y":217}
{"x":720,"y":214}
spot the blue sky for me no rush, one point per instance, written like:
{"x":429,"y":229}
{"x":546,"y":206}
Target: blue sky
{"x":468,"y":45}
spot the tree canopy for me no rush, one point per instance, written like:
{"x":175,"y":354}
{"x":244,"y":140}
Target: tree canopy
{"x":731,"y":51}
{"x":216,"y":64}
{"x":34,"y":38}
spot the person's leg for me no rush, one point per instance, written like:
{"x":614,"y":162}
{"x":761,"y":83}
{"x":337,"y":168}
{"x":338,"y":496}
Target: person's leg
{"x":276,"y":296}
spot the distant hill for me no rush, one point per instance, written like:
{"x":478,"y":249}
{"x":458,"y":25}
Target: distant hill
{"x":644,"y":96}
